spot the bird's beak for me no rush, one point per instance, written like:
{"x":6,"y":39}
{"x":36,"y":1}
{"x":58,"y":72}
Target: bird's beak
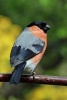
{"x":47,"y":27}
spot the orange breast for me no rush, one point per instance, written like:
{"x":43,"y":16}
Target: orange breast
{"x":43,"y":36}
{"x":38,"y":33}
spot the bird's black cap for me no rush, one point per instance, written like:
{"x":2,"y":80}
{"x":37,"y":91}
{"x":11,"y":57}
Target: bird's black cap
{"x":41,"y":24}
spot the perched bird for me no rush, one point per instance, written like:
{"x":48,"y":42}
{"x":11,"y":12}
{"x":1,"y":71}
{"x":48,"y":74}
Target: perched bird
{"x":28,"y":49}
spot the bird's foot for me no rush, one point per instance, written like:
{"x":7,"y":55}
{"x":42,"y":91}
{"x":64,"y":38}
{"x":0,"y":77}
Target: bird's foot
{"x":33,"y":74}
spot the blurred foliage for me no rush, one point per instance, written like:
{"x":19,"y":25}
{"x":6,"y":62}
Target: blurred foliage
{"x":14,"y":16}
{"x":48,"y":93}
{"x":8,"y":33}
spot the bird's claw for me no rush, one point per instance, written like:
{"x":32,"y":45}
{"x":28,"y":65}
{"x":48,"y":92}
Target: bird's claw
{"x":33,"y":74}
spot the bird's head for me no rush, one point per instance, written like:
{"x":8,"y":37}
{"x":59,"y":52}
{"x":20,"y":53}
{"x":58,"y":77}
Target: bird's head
{"x":41,"y":24}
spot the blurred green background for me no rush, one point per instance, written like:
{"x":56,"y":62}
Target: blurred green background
{"x":14,"y":16}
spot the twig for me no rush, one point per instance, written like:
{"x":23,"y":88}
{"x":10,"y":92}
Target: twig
{"x":38,"y":79}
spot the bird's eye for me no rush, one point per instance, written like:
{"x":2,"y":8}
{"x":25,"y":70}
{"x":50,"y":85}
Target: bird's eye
{"x":43,"y":24}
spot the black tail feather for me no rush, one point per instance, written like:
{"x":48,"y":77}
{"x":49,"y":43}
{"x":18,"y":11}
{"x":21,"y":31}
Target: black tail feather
{"x":15,"y":78}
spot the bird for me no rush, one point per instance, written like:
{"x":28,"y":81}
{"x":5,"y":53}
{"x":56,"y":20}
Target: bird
{"x":28,"y":50}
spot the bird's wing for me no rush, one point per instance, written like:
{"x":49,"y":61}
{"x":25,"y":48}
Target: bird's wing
{"x":26,"y":47}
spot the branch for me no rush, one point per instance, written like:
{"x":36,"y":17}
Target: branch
{"x":38,"y":79}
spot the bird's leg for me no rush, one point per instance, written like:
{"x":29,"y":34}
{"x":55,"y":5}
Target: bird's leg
{"x":33,"y":74}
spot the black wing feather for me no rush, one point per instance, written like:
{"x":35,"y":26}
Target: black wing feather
{"x":19,"y":55}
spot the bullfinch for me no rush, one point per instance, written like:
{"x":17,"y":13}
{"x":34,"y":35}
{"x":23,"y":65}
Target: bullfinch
{"x":28,"y":49}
